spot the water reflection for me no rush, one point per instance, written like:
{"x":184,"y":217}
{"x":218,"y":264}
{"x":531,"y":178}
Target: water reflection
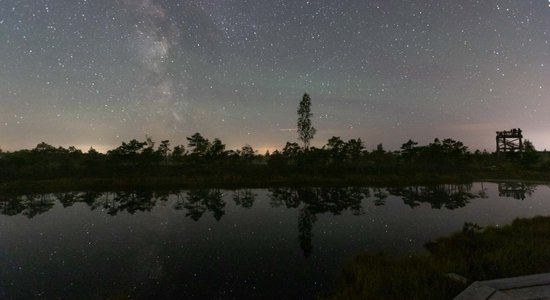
{"x":516,"y":190}
{"x":450,"y":196}
{"x":213,"y":243}
{"x":379,"y":196}
{"x":309,"y":202}
{"x":244,"y":198}
{"x":321,"y":200}
{"x":317,"y":201}
{"x":27,"y":205}
{"x":197,"y":202}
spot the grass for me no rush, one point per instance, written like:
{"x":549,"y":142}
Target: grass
{"x":520,"y":248}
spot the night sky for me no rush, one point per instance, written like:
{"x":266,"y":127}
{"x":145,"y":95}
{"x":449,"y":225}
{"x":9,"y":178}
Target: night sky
{"x":99,"y":72}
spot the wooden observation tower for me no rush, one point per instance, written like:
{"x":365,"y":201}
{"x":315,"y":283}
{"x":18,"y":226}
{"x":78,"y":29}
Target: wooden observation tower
{"x":509,"y":141}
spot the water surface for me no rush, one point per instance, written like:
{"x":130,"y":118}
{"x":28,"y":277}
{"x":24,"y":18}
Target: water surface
{"x":211,"y":243}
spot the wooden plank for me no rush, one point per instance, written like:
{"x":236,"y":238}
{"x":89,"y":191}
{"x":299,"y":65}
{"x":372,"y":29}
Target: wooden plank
{"x":517,"y":282}
{"x":476,"y":291}
{"x":498,"y":295}
{"x":523,"y":287}
{"x":533,"y":292}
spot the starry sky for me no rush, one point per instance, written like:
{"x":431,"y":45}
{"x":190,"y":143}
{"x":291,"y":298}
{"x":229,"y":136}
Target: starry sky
{"x":99,"y":72}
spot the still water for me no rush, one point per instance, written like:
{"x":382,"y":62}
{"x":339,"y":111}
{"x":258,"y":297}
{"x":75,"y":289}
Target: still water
{"x":285,"y":243}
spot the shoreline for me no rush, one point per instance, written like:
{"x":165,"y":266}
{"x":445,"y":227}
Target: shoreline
{"x":231,"y":181}
{"x":451,"y":264}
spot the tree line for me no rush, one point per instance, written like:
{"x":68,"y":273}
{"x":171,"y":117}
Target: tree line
{"x":205,"y":157}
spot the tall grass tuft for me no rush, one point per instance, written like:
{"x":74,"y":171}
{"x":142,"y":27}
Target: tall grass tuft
{"x":521,"y":248}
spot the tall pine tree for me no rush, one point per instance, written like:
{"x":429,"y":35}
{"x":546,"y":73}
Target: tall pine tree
{"x":306,"y":131}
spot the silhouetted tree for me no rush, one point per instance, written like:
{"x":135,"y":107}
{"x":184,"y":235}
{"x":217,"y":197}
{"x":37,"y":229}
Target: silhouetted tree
{"x":306,"y":131}
{"x":335,"y":146}
{"x":128,"y":150}
{"x":528,"y":146}
{"x":291,"y":150}
{"x":198,"y":144}
{"x":164,"y":149}
{"x":74,"y":151}
{"x":453,"y":148}
{"x":216,"y":148}
{"x":148,"y":153}
{"x":93,"y":152}
{"x":43,"y":147}
{"x":434,"y":150}
{"x":354,"y":148}
{"x":529,"y":156}
{"x":409,"y":150}
{"x":275,"y":161}
{"x":247,"y":152}
{"x":178,"y":152}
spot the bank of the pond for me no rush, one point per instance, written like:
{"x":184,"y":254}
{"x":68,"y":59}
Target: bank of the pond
{"x":521,"y":248}
{"x":259,"y":181}
{"x":189,"y":182}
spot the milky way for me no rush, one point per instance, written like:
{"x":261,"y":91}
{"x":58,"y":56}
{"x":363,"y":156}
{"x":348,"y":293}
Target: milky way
{"x":99,"y":72}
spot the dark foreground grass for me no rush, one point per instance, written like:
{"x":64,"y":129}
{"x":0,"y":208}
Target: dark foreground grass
{"x":521,"y":248}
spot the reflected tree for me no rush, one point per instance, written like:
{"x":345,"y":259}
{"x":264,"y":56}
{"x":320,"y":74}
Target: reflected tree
{"x":411,"y":196}
{"x":36,"y":204}
{"x":450,"y":196}
{"x":129,"y":201}
{"x":11,"y":205}
{"x":67,"y":199}
{"x":458,"y":195}
{"x":317,"y":201}
{"x":284,"y":196}
{"x":104,"y":201}
{"x":305,"y":227}
{"x":133,"y":202}
{"x":163,"y":196}
{"x":199,"y":201}
{"x":380,"y":196}
{"x":90,"y":197}
{"x":336,"y":200}
{"x":516,"y":190}
{"x":244,"y":198}
{"x":320,"y":200}
{"x":32,"y":205}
